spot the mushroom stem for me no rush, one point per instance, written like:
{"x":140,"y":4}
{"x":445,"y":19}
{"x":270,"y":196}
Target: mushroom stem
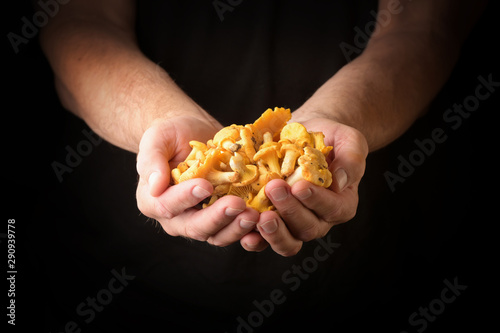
{"x":292,"y":153}
{"x":273,"y":163}
{"x":260,"y":202}
{"x":295,"y":176}
{"x":246,"y":173}
{"x":267,"y":137}
{"x":269,"y":153}
{"x":216,"y":177}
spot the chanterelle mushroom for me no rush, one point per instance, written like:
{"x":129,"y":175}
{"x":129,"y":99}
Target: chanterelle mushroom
{"x":273,"y":121}
{"x":209,"y":170}
{"x":198,"y":150}
{"x":296,"y":133}
{"x":313,"y":168}
{"x":247,"y":173}
{"x":260,"y":202}
{"x":227,"y":137}
{"x":241,"y":160}
{"x":319,"y":142}
{"x":269,"y":153}
{"x":247,"y":142}
{"x":291,"y":152}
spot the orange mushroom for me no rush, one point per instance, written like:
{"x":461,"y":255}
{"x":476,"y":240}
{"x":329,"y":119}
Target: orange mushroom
{"x":269,"y":153}
{"x":210,"y":170}
{"x":319,"y":142}
{"x":241,"y":160}
{"x":246,"y":173}
{"x":313,"y":168}
{"x":273,"y":121}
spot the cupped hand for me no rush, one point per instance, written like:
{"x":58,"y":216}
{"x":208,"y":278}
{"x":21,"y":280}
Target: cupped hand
{"x":307,"y":211}
{"x":162,"y":147}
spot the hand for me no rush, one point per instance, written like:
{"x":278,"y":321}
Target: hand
{"x":307,"y":211}
{"x":162,"y":147}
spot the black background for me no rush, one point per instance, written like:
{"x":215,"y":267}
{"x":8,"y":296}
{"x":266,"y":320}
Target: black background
{"x":439,"y":224}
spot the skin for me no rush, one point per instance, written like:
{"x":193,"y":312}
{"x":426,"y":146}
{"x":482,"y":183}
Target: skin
{"x":102,"y":77}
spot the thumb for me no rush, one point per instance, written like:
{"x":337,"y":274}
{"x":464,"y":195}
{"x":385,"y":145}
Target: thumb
{"x":349,"y":161}
{"x":152,"y":160}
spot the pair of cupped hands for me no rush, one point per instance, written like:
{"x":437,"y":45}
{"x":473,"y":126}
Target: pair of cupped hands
{"x":306,"y":211}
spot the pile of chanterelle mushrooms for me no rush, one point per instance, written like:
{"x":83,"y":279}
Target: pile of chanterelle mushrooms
{"x":240,"y":160}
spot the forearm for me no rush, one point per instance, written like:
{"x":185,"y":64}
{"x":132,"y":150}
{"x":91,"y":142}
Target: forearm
{"x":383,"y":91}
{"x":405,"y":64}
{"x":102,"y":77}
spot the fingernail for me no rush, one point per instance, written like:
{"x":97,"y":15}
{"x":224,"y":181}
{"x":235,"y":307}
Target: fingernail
{"x":304,"y":194}
{"x":341,"y":177}
{"x":279,"y":193}
{"x":245,"y":224}
{"x":232,"y":211}
{"x":153,"y":178}
{"x":269,"y":226}
{"x":200,"y":192}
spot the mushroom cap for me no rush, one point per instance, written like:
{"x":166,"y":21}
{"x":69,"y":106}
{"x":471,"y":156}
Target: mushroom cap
{"x":198,"y":145}
{"x":319,"y":142}
{"x":296,"y":133}
{"x":256,"y":135}
{"x":197,"y":151}
{"x":231,"y":133}
{"x":269,"y":153}
{"x":313,"y":168}
{"x":287,"y":146}
{"x":266,"y":149}
{"x":273,"y":121}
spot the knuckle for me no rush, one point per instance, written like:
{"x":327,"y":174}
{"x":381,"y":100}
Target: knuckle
{"x":290,"y":212}
{"x":335,"y":215}
{"x":324,"y":231}
{"x":349,"y":215}
{"x":192,"y":232}
{"x":343,"y":213}
{"x":142,"y":165}
{"x":151,"y":207}
{"x":142,"y":208}
{"x":161,"y":210}
{"x":309,"y":233}
{"x":290,"y":252}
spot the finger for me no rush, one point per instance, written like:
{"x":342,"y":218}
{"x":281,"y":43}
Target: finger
{"x":254,"y":242}
{"x":234,"y":231}
{"x":152,"y":160}
{"x":328,"y":206}
{"x":275,"y":232}
{"x":349,"y":163}
{"x":300,"y":220}
{"x":175,"y":200}
{"x":203,"y":224}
